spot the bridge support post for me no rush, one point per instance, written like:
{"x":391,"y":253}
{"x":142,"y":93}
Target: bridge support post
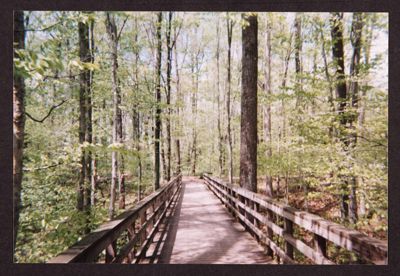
{"x":143,"y":236}
{"x":320,"y":245}
{"x":110,"y":251}
{"x":288,"y":227}
{"x":131,"y":235}
{"x":270,"y":218}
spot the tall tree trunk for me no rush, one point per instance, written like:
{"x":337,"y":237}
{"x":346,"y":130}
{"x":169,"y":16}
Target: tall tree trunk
{"x":267,"y":107}
{"x":135,"y":113}
{"x":92,"y":157}
{"x":328,"y":79}
{"x":341,"y":94}
{"x":18,"y":120}
{"x":195,"y":83}
{"x":117,"y":120}
{"x":158,"y":107}
{"x":89,"y":110}
{"x":286,"y":67}
{"x":84,"y":86}
{"x":248,"y":122}
{"x":122,"y":193}
{"x":229,"y":24}
{"x":178,"y":124}
{"x":164,"y":162}
{"x":356,"y":33}
{"x":168,"y":121}
{"x":362,"y":103}
{"x":297,"y":55}
{"x":220,"y":135}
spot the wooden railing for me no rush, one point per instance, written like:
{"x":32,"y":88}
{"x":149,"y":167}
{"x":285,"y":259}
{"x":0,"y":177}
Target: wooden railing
{"x":126,"y":238}
{"x":274,"y":224}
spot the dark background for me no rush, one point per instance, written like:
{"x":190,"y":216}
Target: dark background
{"x":6,"y":52}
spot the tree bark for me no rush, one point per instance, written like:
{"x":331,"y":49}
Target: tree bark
{"x":136,"y":114}
{"x":196,"y":64}
{"x":84,"y":86}
{"x":229,"y":24}
{"x":267,"y":107}
{"x":248,"y":123}
{"x":86,"y":48}
{"x":362,"y":103}
{"x":163,"y":161}
{"x":92,"y":170}
{"x":168,"y":121}
{"x":356,"y":38}
{"x":117,"y":119}
{"x":328,"y":79}
{"x":158,"y":107}
{"x":193,"y":152}
{"x":178,"y":123}
{"x":122,"y":192}
{"x":286,"y":67}
{"x":341,"y":94}
{"x":297,"y":55}
{"x":220,"y":135}
{"x":18,"y":120}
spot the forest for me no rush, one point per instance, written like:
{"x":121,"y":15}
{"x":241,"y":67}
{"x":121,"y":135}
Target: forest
{"x":110,"y":106}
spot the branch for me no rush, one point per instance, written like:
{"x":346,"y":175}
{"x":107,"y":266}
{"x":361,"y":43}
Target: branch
{"x":122,"y":27}
{"x":60,"y":77}
{"x":48,"y":114}
{"x":176,"y":35}
{"x":45,"y":28}
{"x":374,"y":142}
{"x":42,"y":168}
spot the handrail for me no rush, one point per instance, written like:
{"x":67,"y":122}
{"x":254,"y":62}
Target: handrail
{"x":255,"y":210}
{"x":135,"y":228}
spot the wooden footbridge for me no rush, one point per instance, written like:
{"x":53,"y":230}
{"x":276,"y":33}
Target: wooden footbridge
{"x":192,"y":220}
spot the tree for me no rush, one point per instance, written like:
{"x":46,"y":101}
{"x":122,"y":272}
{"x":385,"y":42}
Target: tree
{"x":248,"y":121}
{"x":178,"y":100}
{"x":85,"y":115}
{"x":117,"y":119}
{"x":341,"y":93}
{"x":168,"y":121}
{"x":18,"y":119}
{"x":136,"y":122}
{"x":158,"y":107}
{"x":298,"y":62}
{"x":369,"y":30}
{"x":197,"y":58}
{"x":219,"y":127}
{"x":355,"y":38}
{"x":267,"y":106}
{"x":229,"y":25}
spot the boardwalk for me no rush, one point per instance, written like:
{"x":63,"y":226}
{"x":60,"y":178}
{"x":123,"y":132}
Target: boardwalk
{"x":183,"y":222}
{"x":202,"y":231}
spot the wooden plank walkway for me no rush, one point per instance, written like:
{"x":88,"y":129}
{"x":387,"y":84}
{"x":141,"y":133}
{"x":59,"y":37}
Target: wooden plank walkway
{"x":203,"y":232}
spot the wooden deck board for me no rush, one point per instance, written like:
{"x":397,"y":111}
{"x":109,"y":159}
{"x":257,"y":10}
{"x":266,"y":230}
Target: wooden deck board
{"x":202,"y":231}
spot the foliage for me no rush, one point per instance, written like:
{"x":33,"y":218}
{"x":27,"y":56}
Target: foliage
{"x":306,"y":148}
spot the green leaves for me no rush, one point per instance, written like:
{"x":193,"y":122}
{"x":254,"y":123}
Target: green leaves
{"x":77,"y":64}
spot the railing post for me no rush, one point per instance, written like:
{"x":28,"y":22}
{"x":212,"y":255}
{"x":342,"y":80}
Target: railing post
{"x":232,"y":193}
{"x":150,"y":213}
{"x":320,"y":244}
{"x":111,"y":251}
{"x":143,"y":235}
{"x":270,"y":218}
{"x":256,"y":207}
{"x":131,"y":235}
{"x":288,"y":227}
